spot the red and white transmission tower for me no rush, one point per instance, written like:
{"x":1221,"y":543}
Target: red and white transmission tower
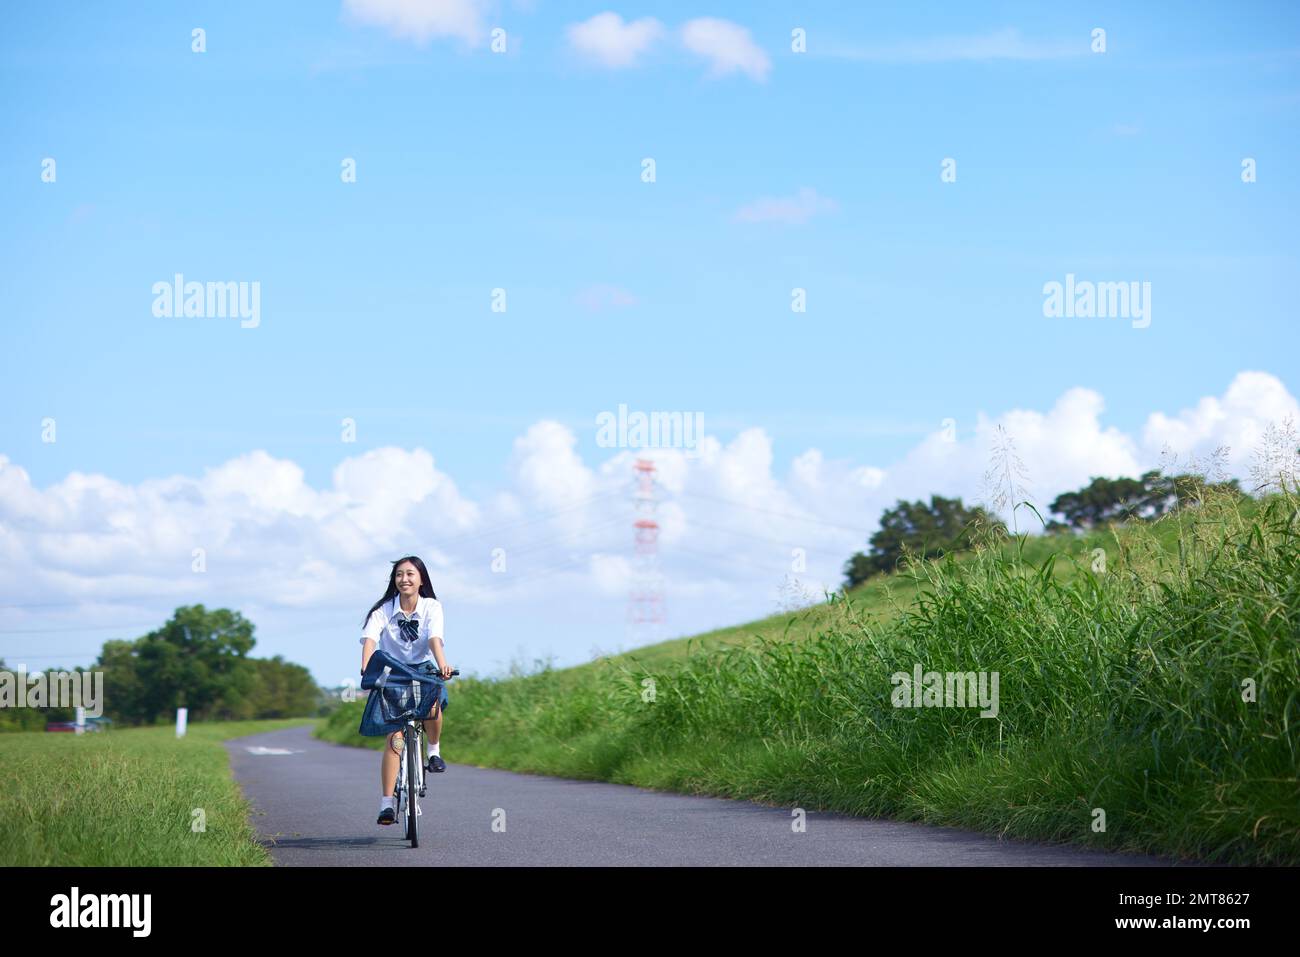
{"x":645,"y":602}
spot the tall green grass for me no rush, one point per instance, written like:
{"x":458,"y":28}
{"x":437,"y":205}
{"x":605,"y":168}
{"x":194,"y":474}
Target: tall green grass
{"x":1121,"y":691}
{"x":126,"y":798}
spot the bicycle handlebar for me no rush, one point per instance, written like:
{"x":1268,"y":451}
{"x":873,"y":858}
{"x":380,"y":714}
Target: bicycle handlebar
{"x":403,"y":680}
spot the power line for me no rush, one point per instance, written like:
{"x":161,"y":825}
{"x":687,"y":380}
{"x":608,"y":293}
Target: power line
{"x":47,"y":604}
{"x":757,"y":538}
{"x":570,"y":564}
{"x":730,"y":559}
{"x":539,"y":545}
{"x":77,"y":628}
{"x":537,"y":517}
{"x":769,"y":511}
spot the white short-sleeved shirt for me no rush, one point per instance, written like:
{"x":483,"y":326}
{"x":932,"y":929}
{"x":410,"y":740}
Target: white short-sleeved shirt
{"x":383,"y":628}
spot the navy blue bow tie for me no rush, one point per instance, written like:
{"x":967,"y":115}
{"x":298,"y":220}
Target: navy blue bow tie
{"x":410,"y":628}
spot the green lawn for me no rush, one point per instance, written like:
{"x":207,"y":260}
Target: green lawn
{"x":127,"y":798}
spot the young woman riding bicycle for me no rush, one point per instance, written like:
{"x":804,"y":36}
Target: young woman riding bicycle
{"x":407,"y":624}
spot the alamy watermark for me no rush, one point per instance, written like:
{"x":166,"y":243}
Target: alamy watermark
{"x":76,"y":909}
{"x":946,"y":689}
{"x":53,"y":689}
{"x":1086,"y":299}
{"x":653,"y":430}
{"x":212,"y":300}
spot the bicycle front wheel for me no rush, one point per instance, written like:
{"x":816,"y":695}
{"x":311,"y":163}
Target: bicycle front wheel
{"x":399,"y":788}
{"x":399,"y":796}
{"x":412,"y":785}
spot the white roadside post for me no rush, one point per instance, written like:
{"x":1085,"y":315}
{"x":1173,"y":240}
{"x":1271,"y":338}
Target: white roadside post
{"x":81,"y":721}
{"x":181,"y":714}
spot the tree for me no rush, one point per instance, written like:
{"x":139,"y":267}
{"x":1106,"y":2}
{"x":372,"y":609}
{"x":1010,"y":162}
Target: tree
{"x":1106,"y":500}
{"x":281,"y":689}
{"x":925,"y":531}
{"x":1166,"y":493}
{"x":123,"y":692}
{"x":197,"y":660}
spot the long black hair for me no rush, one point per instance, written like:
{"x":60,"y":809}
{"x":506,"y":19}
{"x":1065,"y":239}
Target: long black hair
{"x":426,"y":589}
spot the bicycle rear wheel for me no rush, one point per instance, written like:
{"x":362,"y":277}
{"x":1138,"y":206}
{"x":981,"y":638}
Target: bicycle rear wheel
{"x":411,"y":752}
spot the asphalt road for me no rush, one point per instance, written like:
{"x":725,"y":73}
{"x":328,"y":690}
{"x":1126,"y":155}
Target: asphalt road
{"x":316,"y":805}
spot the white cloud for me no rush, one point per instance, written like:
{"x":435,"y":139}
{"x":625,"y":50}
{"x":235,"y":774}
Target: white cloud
{"x":262,"y":482}
{"x":607,"y":40}
{"x":422,"y":20}
{"x":254,"y":517}
{"x":1061,"y":449}
{"x":727,"y":46}
{"x":612,"y":574}
{"x":1236,"y":420}
{"x":868,"y":476}
{"x":806,"y":470}
{"x":391,"y":492}
{"x":792,"y":211}
{"x":299,"y":558}
{"x":546,"y":468}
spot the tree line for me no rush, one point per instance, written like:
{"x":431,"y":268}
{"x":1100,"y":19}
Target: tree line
{"x":198,"y":660}
{"x":930,"y":530}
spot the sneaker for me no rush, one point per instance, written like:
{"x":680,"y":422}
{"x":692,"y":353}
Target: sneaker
{"x":387,"y":816}
{"x":436,"y":763}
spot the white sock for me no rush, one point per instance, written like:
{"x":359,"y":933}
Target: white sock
{"x":433,"y":749}
{"x":387,"y":802}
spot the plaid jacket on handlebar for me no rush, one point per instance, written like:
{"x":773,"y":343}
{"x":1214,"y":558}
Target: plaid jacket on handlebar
{"x":392,"y":685}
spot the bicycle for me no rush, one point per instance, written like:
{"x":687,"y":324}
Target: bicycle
{"x":409,"y":786}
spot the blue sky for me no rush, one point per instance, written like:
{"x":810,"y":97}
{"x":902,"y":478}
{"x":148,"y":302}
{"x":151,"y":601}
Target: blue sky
{"x":522,"y":170}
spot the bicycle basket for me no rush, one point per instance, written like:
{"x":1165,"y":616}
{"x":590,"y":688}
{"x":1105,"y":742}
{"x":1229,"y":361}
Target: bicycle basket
{"x":399,"y":700}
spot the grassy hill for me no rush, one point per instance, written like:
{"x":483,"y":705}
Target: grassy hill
{"x":1148,"y":704}
{"x":887,"y":596}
